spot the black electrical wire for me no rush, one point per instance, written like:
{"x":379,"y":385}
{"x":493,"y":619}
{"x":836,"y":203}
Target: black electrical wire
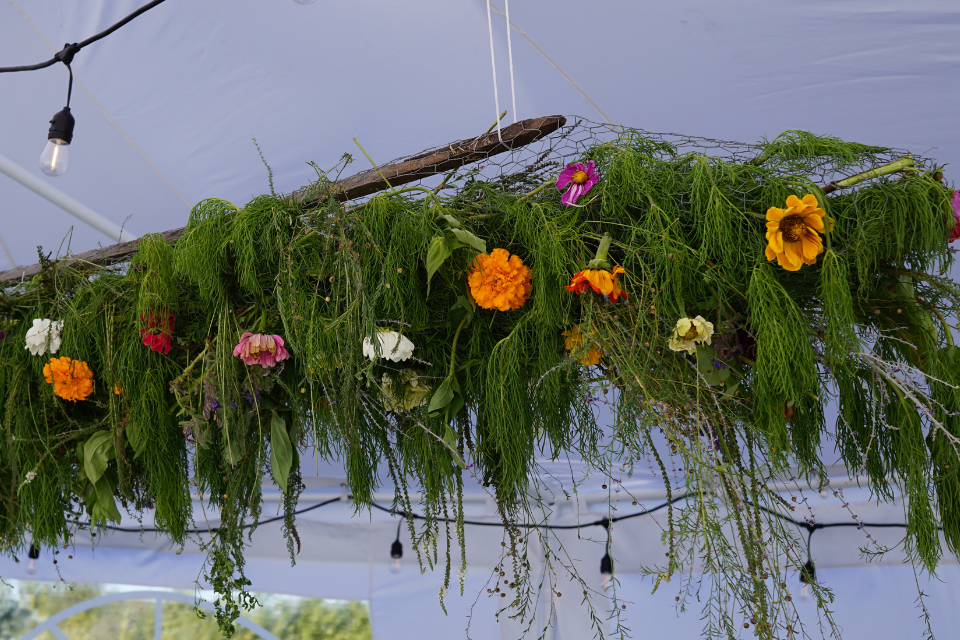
{"x":111,"y":527}
{"x":69,"y":50}
{"x":602,"y":522}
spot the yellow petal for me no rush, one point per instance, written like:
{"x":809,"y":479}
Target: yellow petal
{"x":774,"y":214}
{"x":793,"y":201}
{"x":814,"y":221}
{"x":771,"y":254}
{"x":811,"y":200}
{"x":810,"y":249}
{"x":776,"y":242}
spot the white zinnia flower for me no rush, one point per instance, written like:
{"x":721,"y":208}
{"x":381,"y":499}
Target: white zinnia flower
{"x":44,"y":336}
{"x":688,"y":333}
{"x":393,"y":346}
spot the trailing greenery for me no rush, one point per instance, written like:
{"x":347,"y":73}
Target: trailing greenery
{"x":867,"y":324}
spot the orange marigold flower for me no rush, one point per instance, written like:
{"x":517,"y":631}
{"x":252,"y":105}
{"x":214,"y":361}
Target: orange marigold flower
{"x":600,"y":280}
{"x":71,"y":379}
{"x":792,"y":236}
{"x":499,"y":281}
{"x":573,"y":340}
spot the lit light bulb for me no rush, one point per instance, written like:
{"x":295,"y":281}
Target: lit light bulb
{"x":55,"y":157}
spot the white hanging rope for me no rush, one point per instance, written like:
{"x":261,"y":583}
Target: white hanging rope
{"x":523,"y":34}
{"x":493,"y":64}
{"x":513,"y":92}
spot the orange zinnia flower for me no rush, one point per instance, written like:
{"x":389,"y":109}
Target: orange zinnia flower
{"x":792,"y":236}
{"x":71,"y":379}
{"x":600,"y":280}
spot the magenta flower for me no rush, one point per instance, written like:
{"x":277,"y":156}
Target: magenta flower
{"x":581,"y":177}
{"x":955,"y":233}
{"x":262,"y":349}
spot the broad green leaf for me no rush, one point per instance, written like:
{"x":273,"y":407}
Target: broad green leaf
{"x":469,"y":239}
{"x":105,"y":500}
{"x":134,"y":437}
{"x":281,"y":452}
{"x":450,"y":220}
{"x":437,"y":253}
{"x":442,"y":396}
{"x":97,"y":451}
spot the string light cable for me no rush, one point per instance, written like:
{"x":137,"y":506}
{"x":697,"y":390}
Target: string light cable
{"x":55,"y":156}
{"x":807,"y":572}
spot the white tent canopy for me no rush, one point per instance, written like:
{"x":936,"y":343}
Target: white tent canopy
{"x":166,"y":110}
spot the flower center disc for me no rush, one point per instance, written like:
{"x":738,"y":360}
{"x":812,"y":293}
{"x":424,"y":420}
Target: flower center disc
{"x":793,"y":227}
{"x":691,"y":335}
{"x":579,"y":177}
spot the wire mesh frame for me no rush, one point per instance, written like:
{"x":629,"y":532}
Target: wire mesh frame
{"x":521,"y":168}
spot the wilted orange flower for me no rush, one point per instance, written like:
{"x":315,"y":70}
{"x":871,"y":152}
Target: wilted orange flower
{"x":499,"y":281}
{"x":573,"y":341}
{"x":71,"y":379}
{"x":600,"y":280}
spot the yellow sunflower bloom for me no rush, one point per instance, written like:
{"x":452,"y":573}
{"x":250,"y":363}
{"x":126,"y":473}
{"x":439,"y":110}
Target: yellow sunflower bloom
{"x":792,"y":233}
{"x":573,"y":341}
{"x":499,"y":281}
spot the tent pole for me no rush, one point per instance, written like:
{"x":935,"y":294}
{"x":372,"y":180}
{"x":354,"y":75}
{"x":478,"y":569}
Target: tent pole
{"x":65,"y":202}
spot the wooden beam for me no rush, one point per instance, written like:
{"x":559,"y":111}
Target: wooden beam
{"x":428,"y":163}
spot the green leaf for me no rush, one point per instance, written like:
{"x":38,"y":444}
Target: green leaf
{"x":450,"y":220}
{"x":105,"y":500}
{"x":469,"y":240}
{"x":135,"y":438}
{"x":442,"y":396}
{"x":281,"y":452}
{"x":450,"y":439}
{"x":97,"y":451}
{"x":437,"y":253}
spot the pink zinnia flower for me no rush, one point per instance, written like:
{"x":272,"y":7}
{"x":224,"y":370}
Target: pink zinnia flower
{"x":956,"y":216}
{"x":262,"y":349}
{"x":158,"y":335}
{"x":581,"y":176}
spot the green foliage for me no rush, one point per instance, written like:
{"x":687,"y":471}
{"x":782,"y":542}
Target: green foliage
{"x":687,"y":228}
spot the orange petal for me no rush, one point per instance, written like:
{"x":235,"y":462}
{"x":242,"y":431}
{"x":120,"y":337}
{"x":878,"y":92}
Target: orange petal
{"x":793,"y":201}
{"x":810,"y":200}
{"x":770,"y":253}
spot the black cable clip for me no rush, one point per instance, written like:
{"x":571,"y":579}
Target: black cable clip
{"x":66,"y":54}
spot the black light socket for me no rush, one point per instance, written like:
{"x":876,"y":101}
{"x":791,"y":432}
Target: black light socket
{"x":808,"y":574}
{"x":34,"y":552}
{"x":61,"y":126}
{"x":396,"y":549}
{"x":606,"y":565}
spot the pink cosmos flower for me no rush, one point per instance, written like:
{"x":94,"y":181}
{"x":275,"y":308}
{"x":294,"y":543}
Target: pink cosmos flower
{"x":956,"y":216}
{"x":581,"y":176}
{"x":262,"y":349}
